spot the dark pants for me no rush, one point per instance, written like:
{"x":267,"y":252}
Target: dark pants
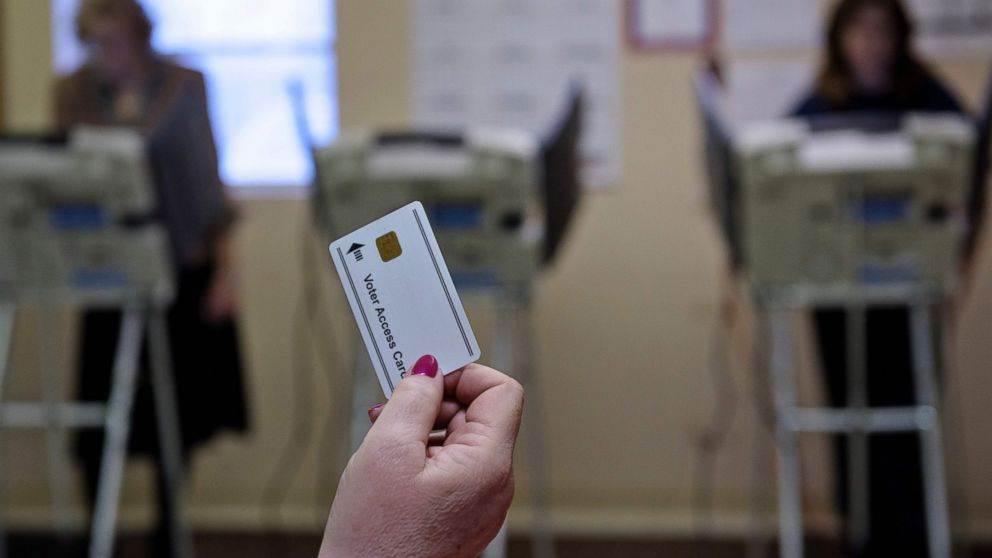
{"x":897,"y":524}
{"x":206,"y":370}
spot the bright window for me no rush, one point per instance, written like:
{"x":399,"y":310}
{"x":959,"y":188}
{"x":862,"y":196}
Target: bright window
{"x":259,"y":57}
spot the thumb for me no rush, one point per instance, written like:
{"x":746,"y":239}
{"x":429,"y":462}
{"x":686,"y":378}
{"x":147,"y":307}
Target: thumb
{"x":412,"y":411}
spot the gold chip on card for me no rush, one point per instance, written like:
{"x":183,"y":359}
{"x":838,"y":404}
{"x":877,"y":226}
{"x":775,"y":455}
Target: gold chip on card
{"x":389,"y":246}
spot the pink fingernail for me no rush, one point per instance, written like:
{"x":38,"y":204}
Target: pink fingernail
{"x":375,"y":408}
{"x":425,"y":366}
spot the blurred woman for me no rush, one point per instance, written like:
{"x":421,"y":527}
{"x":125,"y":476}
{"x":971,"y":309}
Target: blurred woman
{"x":870,"y":68}
{"x":125,"y":83}
{"x":870,"y":65}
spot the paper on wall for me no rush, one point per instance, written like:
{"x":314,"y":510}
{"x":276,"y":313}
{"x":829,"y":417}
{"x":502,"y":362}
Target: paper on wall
{"x":512,"y":62}
{"x":772,"y":24}
{"x":672,"y":21}
{"x":953,"y":25}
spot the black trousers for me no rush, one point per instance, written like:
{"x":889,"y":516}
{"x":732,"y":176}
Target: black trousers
{"x":206,"y":369}
{"x":897,"y":525}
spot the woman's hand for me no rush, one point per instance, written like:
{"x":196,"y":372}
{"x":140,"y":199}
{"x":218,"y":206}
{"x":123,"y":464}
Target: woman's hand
{"x":221,"y":302}
{"x":408,"y":493}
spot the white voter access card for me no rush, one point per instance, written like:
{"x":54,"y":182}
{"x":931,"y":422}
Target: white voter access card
{"x":402,"y":296}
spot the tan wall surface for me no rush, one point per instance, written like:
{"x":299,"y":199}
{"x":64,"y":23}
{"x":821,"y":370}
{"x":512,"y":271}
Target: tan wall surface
{"x":27,"y":54}
{"x":3,"y":61}
{"x":624,"y":323}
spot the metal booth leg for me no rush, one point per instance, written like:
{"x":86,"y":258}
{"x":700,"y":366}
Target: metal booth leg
{"x":117,"y":426}
{"x":58,"y":472}
{"x":169,"y":433}
{"x":934,"y":483}
{"x":7,"y":313}
{"x":501,"y":357}
{"x":537,"y":439}
{"x":784,"y":393}
{"x":514,"y":318}
{"x":759,"y":494}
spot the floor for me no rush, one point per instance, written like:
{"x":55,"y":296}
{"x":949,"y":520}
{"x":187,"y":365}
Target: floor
{"x":262,"y":545}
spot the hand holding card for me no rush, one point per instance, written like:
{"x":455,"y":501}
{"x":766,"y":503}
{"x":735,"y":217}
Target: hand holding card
{"x":402,"y":496}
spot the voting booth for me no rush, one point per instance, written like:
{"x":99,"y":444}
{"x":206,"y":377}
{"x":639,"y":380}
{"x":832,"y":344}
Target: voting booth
{"x":499,"y":201}
{"x":852,"y":208}
{"x":846,"y":212}
{"x":77,"y":219}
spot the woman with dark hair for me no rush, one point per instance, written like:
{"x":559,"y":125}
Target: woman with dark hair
{"x":870,"y":67}
{"x":125,"y":83}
